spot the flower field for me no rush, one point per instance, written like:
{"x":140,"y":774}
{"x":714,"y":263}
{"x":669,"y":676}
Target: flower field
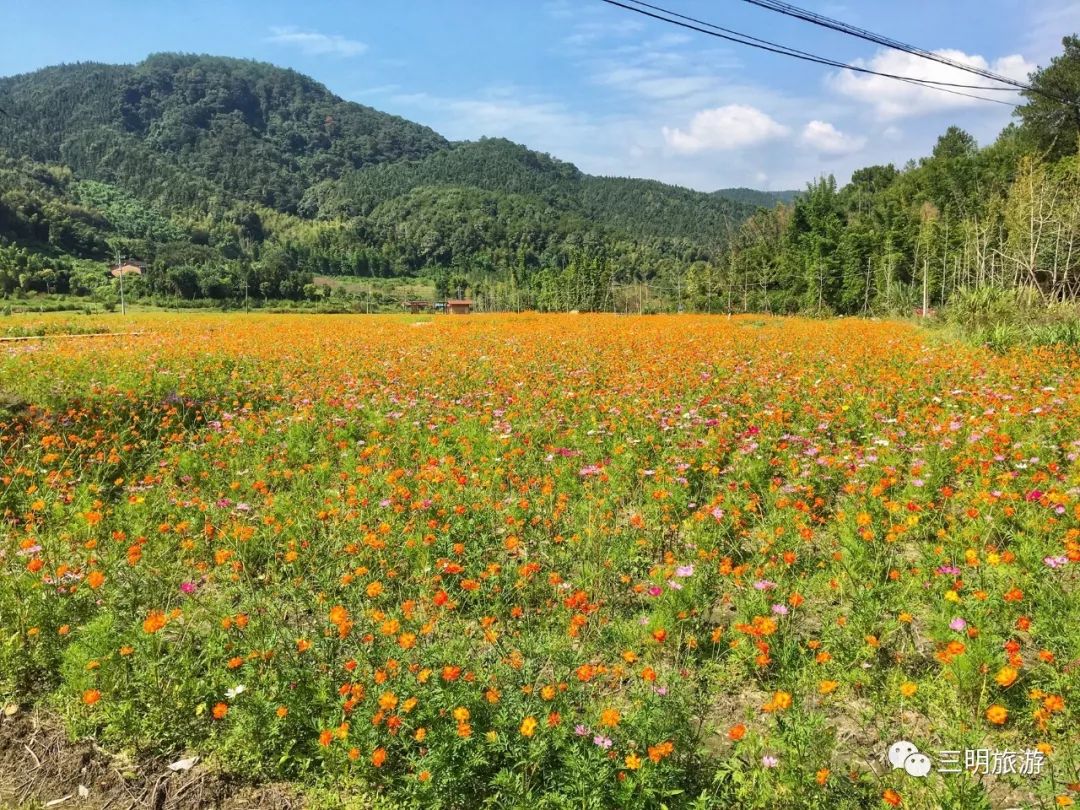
{"x":551,"y":561}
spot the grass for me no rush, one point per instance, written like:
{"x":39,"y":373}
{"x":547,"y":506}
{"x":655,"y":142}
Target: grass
{"x":549,"y":561}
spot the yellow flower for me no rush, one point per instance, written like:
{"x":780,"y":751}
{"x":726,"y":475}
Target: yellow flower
{"x":528,"y":726}
{"x":633,"y":761}
{"x":907,"y":689}
{"x":1006,"y":677}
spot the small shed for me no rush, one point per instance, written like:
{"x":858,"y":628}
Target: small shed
{"x":129,"y":268}
{"x":458,"y":306}
{"x":416,"y":306}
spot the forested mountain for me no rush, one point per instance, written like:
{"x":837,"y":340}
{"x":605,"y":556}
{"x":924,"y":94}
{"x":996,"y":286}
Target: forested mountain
{"x":242,"y":166}
{"x":761,"y":199}
{"x":494,"y":164}
{"x":232,"y":178}
{"x":261,"y":133}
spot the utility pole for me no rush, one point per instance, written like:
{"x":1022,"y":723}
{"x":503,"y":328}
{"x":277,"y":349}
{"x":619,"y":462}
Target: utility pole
{"x":925,"y":286}
{"x":866,"y":296}
{"x":120,"y":270}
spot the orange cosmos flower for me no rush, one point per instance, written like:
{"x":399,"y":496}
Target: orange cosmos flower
{"x":154,"y":622}
{"x":780,"y":701}
{"x":1006,"y":677}
{"x":658,"y":752}
{"x":610,"y":717}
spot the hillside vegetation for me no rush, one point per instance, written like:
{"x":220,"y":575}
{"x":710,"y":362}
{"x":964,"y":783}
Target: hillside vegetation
{"x":235,"y":180}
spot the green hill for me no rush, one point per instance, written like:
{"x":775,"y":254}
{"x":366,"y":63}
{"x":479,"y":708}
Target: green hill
{"x":226,"y":174}
{"x":643,"y":207}
{"x":257,"y":132}
{"x":758,"y":199}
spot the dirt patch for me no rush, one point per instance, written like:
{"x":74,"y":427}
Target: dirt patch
{"x":41,"y":767}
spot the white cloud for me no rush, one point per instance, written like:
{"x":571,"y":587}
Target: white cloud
{"x":730,"y":127}
{"x":827,"y":139}
{"x":313,"y":43}
{"x":1045,"y":24}
{"x":892,"y":99}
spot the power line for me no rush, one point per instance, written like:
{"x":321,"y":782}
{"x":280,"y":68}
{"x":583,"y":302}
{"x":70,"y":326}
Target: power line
{"x":814,"y":18}
{"x":819,"y":59}
{"x":879,"y":39}
{"x":761,"y":44}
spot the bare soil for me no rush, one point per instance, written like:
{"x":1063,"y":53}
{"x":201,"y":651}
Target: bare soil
{"x":41,"y":768}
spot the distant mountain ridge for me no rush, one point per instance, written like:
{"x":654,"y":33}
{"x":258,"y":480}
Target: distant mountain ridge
{"x":760,"y":199}
{"x":258,"y":132}
{"x":188,"y":131}
{"x":214,"y":169}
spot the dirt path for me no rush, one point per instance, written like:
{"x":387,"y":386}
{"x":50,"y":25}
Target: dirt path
{"x":41,"y":768}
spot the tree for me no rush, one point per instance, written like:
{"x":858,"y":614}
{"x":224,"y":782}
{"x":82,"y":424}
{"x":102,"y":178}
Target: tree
{"x":1051,"y":117}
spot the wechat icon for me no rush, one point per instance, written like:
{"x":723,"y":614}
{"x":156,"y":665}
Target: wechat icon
{"x":904,"y":754}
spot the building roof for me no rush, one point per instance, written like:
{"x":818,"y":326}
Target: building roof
{"x":127,"y":268}
{"x":458,"y":302}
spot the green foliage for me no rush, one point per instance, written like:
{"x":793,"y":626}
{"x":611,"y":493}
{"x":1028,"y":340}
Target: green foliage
{"x":234,"y":181}
{"x":1006,"y":318}
{"x":253,"y":130}
{"x":1051,"y":117}
{"x":126,"y":214}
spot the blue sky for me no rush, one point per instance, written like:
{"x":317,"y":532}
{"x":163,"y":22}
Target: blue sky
{"x":613,"y":92}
